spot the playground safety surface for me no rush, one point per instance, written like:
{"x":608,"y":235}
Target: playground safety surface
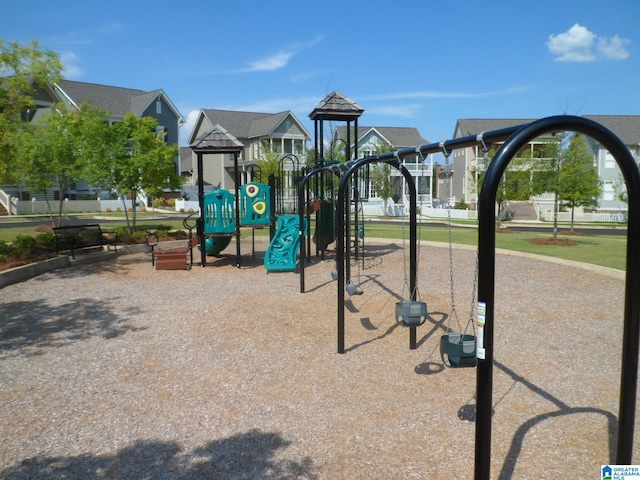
{"x":116,"y":370}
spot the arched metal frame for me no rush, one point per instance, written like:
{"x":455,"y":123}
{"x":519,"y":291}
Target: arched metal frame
{"x":302,"y":199}
{"x":284,"y":176}
{"x":486,"y":280}
{"x":340,"y":238}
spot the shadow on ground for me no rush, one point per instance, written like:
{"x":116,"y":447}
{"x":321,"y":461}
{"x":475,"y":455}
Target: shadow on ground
{"x":34,"y":326}
{"x":249,"y":455}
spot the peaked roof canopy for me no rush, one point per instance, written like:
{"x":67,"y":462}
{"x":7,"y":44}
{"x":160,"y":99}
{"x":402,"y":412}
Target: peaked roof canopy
{"x":216,"y":140}
{"x":336,"y":106}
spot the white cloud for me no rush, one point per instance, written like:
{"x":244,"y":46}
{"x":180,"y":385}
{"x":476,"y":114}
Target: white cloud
{"x":299,"y":104}
{"x":434,"y":94}
{"x":270,"y":63}
{"x":281,"y":58}
{"x":578,"y":44}
{"x":613,"y":48}
{"x":405,"y":111}
{"x":72,"y":71}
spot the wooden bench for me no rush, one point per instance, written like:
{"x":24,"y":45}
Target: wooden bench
{"x":78,"y":237}
{"x":176,"y":258}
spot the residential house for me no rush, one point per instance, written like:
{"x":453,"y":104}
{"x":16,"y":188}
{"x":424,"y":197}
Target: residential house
{"x":627,"y":129}
{"x":118,"y":101}
{"x":260,"y":133}
{"x":370,"y":141}
{"x":458,"y":179}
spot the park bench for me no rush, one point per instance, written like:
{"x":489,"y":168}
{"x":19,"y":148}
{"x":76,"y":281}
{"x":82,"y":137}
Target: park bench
{"x":81,"y":237}
{"x":175,"y":258}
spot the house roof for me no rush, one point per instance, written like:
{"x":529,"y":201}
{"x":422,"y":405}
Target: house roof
{"x":336,"y":106}
{"x":472,"y":126}
{"x":398,"y":137}
{"x":625,"y":127}
{"x":249,"y":124}
{"x":117,"y":100}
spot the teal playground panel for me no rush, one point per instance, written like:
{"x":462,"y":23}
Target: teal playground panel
{"x":219,"y":213}
{"x":220,"y":209}
{"x":282,"y":253}
{"x":255,"y":205}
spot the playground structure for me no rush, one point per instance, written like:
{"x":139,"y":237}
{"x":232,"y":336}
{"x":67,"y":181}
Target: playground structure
{"x":223,"y":213}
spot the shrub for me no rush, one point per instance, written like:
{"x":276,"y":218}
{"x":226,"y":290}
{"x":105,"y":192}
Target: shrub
{"x":25,"y":241}
{"x":158,"y":202}
{"x":46,"y":240}
{"x":5,"y":248}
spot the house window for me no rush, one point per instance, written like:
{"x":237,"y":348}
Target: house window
{"x":609,"y":161}
{"x":607,"y":191}
{"x":372,"y":190}
{"x":161,"y":133}
{"x":158,"y":107}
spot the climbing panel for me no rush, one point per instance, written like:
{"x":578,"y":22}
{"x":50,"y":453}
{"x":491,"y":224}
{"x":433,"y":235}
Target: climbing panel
{"x":219,"y":213}
{"x":255,"y":204}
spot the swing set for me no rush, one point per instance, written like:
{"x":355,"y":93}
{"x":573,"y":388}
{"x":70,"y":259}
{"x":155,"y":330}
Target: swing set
{"x":462,"y":348}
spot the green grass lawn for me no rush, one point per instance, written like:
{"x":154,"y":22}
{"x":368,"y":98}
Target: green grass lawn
{"x":604,"y":250}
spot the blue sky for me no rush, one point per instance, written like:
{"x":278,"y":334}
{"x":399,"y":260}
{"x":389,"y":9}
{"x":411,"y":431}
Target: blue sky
{"x":416,"y":63}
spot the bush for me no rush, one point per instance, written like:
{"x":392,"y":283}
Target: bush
{"x":46,"y":240}
{"x":158,"y":202}
{"x":5,"y":248}
{"x":25,"y":241}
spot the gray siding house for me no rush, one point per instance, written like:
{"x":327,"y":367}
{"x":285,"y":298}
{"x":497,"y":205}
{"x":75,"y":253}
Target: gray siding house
{"x":627,"y":129}
{"x":370,"y":139}
{"x":460,"y":175}
{"x":260,"y":133}
{"x":118,"y":101}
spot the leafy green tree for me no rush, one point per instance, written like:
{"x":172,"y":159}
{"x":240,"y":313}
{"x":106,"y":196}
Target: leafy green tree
{"x":57,"y":150}
{"x":136,"y":159}
{"x":23,"y":69}
{"x":269,"y":162}
{"x":579,"y":184}
{"x":380,"y":175}
{"x":566,"y":169}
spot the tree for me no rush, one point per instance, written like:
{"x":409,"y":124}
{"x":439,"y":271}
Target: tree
{"x":269,"y":161}
{"x":380,"y":175}
{"x":566,"y":169}
{"x":136,"y":159}
{"x":23,"y":69}
{"x":579,"y":182}
{"x":57,"y":150}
